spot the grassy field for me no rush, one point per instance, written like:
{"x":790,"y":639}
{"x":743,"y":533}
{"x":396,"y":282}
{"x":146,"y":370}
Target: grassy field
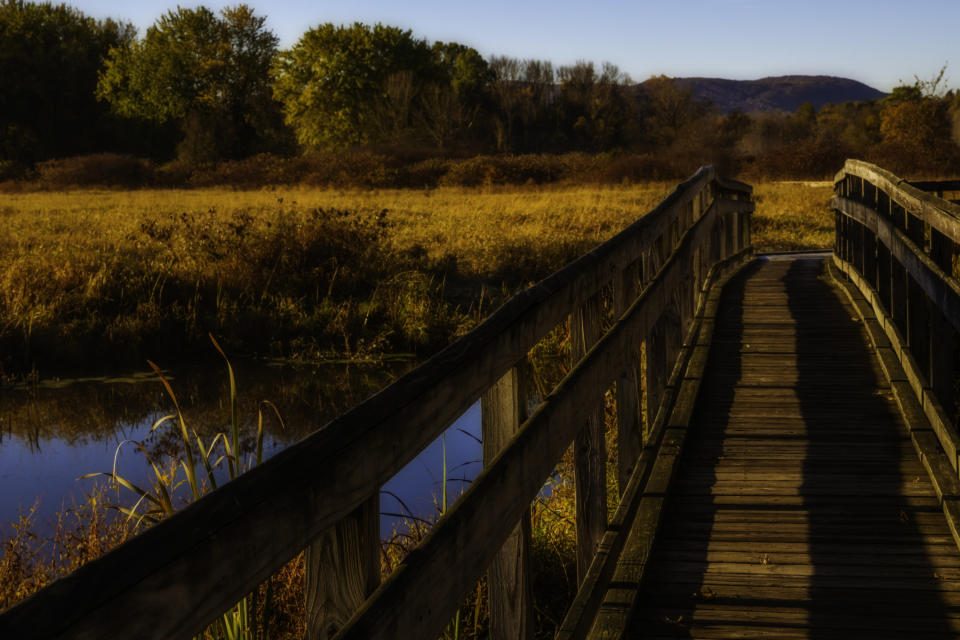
{"x":111,"y":278}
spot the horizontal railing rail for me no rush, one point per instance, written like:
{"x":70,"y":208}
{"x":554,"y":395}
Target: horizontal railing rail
{"x":898,"y":244}
{"x":322,"y":494}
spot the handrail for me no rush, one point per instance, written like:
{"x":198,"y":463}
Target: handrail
{"x":174,"y":578}
{"x":898,"y":244}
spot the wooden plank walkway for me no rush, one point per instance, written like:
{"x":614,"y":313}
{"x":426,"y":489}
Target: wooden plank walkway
{"x":800,"y":509}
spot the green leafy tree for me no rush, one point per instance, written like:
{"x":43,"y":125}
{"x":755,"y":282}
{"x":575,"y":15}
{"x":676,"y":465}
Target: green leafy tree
{"x":450,"y":108}
{"x":49,"y":58}
{"x":336,"y":82}
{"x":207,"y":72}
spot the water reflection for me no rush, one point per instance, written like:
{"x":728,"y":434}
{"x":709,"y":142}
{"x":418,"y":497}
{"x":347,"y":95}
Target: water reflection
{"x":53,"y":432}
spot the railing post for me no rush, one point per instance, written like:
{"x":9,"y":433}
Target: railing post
{"x":943,"y":360}
{"x":918,"y":322}
{"x":883,"y":276}
{"x":589,"y":448}
{"x":898,"y":295}
{"x":629,"y":425}
{"x":342,"y":568}
{"x":655,"y":372}
{"x":503,"y":410}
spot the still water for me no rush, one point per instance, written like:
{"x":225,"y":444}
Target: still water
{"x":53,"y":432}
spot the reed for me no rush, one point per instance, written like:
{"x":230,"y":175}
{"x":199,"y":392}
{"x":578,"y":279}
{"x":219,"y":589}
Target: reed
{"x":152,"y":505}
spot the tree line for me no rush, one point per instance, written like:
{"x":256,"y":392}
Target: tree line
{"x":202,"y":87}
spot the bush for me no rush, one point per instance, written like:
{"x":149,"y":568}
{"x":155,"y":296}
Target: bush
{"x":97,"y":170}
{"x":351,"y":169}
{"x":250,"y":173}
{"x":804,"y":160}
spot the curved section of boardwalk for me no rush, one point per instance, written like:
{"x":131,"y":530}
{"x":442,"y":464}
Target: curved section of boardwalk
{"x":801,"y":509}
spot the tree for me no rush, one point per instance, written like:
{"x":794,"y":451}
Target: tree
{"x":49,"y":58}
{"x":504,"y":87}
{"x":916,"y":126}
{"x":606,"y":116}
{"x":669,"y":109}
{"x":333,"y":83}
{"x":449,"y":109}
{"x":208,"y":73}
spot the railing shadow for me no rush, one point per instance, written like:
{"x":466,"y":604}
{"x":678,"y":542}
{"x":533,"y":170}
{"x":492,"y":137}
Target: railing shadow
{"x":862,"y":485}
{"x":676,"y":584}
{"x":831,"y":535}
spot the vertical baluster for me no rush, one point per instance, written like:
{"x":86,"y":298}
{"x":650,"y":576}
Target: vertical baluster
{"x":655,"y":373}
{"x":898,"y":295}
{"x":941,"y":251}
{"x":883,"y":275}
{"x":589,"y":454}
{"x":870,"y":257}
{"x":342,"y":568}
{"x":943,"y":356}
{"x":918,"y":325}
{"x":629,"y":426}
{"x":503,"y":410}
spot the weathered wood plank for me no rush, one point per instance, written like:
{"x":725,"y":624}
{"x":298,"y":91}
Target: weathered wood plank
{"x":589,"y":446}
{"x":629,"y":417}
{"x":943,"y":215}
{"x":484,"y":515}
{"x":793,"y":492}
{"x":342,"y":568}
{"x":939,"y":287}
{"x":593,"y":590}
{"x":503,"y":410}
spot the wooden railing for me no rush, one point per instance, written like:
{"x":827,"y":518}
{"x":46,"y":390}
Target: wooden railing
{"x":322,"y":494}
{"x":898,"y":244}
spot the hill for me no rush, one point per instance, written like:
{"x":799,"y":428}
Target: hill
{"x":781,"y":93}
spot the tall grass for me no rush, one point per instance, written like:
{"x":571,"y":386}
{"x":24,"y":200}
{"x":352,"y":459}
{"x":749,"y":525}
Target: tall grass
{"x":310,"y":274}
{"x":154,"y":504}
{"x":119,"y":277}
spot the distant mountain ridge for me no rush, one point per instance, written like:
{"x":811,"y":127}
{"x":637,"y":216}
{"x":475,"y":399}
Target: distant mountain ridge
{"x":779,"y":93}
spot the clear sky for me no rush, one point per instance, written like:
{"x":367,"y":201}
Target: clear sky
{"x":879,"y":42}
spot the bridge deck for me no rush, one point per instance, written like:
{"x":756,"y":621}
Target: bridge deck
{"x":800,"y":509}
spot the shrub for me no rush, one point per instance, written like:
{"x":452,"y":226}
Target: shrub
{"x":101,"y":169}
{"x":810,"y":160}
{"x":249,"y":173}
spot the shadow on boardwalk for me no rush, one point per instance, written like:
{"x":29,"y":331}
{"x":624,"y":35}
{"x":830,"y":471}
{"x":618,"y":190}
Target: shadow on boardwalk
{"x":800,"y":510}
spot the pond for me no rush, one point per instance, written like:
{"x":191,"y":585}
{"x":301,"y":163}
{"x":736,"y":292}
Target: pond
{"x":55,"y":431}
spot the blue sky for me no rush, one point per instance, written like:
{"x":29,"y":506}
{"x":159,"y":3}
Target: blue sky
{"x":879,"y":42}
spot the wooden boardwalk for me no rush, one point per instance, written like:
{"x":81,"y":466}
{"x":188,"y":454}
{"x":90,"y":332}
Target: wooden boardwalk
{"x":800,"y":509}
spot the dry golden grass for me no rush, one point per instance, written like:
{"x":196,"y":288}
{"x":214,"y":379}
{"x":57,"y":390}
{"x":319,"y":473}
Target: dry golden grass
{"x":792,"y":216}
{"x":123,"y":276}
{"x":323,"y":273}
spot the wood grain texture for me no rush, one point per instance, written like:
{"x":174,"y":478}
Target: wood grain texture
{"x":481,"y":520}
{"x":503,"y":409}
{"x":589,"y":446}
{"x":912,"y":380}
{"x":342,"y":568}
{"x":800,"y":509}
{"x":941,"y":214}
{"x":934,"y":282}
{"x":629,"y":416}
{"x":581,"y":615}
